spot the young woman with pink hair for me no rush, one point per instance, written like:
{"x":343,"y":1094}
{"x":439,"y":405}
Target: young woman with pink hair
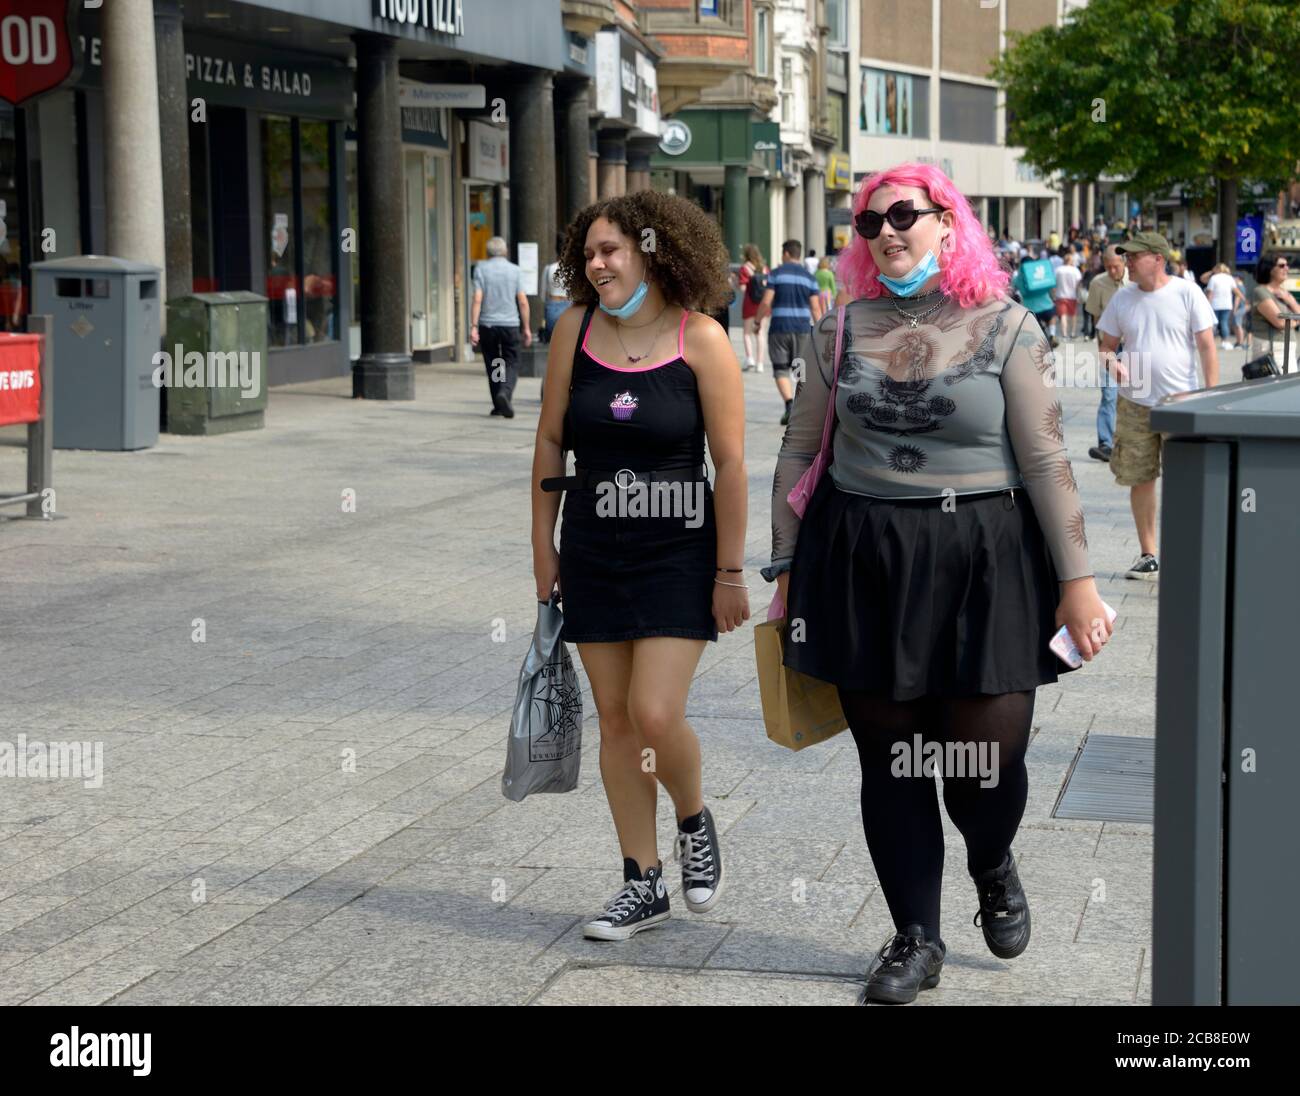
{"x":938,"y":555}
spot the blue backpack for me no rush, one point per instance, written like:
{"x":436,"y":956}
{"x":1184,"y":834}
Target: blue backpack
{"x":1038,"y":275}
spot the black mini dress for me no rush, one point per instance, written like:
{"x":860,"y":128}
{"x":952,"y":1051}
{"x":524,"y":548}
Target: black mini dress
{"x":625,"y":574}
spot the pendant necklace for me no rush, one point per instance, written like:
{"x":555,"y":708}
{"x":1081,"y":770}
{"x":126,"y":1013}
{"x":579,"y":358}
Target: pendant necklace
{"x":915,"y":318}
{"x":634,"y":358}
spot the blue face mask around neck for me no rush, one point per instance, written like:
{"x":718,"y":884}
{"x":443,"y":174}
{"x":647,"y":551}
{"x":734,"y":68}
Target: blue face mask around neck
{"x":911,"y":282}
{"x":629,"y":307}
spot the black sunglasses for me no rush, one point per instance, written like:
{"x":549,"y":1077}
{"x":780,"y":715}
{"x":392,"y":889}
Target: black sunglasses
{"x":900,"y":215}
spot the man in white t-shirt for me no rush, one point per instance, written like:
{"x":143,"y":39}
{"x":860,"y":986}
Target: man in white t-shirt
{"x":1068,"y":277}
{"x":1164,"y":323}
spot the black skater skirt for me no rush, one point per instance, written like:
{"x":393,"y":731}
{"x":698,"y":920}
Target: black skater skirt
{"x":635,"y":577}
{"x":903,"y":599}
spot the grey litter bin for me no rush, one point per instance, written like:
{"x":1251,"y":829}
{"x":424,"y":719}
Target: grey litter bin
{"x":106,"y":317}
{"x":1227,"y":805}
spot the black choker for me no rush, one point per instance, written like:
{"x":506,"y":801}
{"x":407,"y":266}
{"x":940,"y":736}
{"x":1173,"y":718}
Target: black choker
{"x":916,"y":296}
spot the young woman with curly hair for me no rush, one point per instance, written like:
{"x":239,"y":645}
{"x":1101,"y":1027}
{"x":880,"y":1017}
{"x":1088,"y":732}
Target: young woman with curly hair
{"x":938,"y":555}
{"x":636,"y":381}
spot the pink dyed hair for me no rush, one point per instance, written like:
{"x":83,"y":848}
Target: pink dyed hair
{"x":971,"y":272}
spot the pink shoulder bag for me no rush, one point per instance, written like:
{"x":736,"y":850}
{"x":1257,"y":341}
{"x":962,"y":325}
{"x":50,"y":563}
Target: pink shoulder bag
{"x":802,"y":491}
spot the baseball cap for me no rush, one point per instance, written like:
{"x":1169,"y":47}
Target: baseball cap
{"x":1146,"y":241}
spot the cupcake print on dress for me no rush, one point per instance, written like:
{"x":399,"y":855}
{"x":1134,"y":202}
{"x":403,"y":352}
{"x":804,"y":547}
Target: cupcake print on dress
{"x":623,"y":405}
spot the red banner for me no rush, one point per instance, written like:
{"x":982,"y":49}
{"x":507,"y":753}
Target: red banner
{"x":20,"y":379}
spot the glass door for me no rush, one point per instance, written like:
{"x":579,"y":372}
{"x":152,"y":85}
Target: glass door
{"x":437,"y":201}
{"x":417,"y":252}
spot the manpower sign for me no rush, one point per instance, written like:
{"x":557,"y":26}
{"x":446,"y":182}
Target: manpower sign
{"x":38,"y":51}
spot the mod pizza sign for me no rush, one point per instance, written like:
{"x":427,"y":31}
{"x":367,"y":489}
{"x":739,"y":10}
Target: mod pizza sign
{"x":38,"y":51}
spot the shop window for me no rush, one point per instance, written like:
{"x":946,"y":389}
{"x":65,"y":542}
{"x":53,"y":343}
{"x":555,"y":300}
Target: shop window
{"x":301,"y":272}
{"x":278,"y":230}
{"x":968,"y":112}
{"x":319,"y":283}
{"x":894,"y":103}
{"x":13,"y":298}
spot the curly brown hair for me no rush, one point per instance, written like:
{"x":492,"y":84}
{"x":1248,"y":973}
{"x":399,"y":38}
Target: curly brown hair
{"x":686,"y":259}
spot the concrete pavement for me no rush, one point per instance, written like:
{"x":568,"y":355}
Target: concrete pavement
{"x":305,"y":806}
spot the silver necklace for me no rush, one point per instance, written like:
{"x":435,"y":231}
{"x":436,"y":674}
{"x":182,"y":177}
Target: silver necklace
{"x":634,"y":358}
{"x":915,"y":318}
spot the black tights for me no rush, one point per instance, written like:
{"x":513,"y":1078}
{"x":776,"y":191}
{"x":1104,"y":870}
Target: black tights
{"x":901,"y":813}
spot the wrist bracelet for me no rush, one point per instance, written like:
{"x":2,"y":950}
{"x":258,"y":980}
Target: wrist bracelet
{"x":732,"y":570}
{"x":737,"y":585}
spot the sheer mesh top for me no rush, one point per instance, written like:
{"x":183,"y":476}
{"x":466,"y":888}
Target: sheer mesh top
{"x":963,"y":402}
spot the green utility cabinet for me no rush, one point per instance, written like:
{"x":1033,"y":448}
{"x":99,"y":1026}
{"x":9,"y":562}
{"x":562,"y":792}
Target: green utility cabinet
{"x":229,"y":331}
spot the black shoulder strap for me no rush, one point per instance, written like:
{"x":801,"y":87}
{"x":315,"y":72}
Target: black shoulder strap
{"x":582,"y":331}
{"x":577,"y":347}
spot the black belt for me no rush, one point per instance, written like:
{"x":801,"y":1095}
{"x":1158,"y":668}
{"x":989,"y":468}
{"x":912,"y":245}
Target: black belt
{"x":587,"y":479}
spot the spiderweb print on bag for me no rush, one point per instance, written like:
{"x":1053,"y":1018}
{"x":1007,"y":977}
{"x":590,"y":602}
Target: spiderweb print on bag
{"x":557,"y":709}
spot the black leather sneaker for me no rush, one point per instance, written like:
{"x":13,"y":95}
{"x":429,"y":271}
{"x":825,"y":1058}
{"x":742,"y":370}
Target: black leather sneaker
{"x":701,"y":862}
{"x":641,"y":904}
{"x":1004,"y":910}
{"x":907,"y":964}
{"x":1146,"y":569}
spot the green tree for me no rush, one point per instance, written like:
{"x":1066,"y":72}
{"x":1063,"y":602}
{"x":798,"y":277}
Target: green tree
{"x":1161,"y":92}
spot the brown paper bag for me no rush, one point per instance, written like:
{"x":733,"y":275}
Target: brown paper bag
{"x":798,"y":710}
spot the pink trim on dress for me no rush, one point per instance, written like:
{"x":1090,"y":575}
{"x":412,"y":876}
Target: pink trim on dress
{"x":638,"y":368}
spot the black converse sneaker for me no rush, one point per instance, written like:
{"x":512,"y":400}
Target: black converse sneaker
{"x":908,"y":963}
{"x":641,"y":904}
{"x":701,"y":860}
{"x":1004,"y":910}
{"x":1146,"y":569}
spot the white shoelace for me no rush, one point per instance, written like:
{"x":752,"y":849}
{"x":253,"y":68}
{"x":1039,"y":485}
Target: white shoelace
{"x":625,"y":901}
{"x":696,"y":858}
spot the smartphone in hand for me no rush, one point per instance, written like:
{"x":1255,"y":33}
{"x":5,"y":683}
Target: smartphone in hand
{"x":1064,"y":647}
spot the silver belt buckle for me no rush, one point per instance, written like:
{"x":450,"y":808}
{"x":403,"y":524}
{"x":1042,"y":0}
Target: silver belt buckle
{"x":618,"y":478}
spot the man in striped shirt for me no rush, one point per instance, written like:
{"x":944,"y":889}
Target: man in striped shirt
{"x":793,"y":302}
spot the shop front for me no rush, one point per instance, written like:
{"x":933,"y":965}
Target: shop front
{"x":428,"y":197}
{"x":282,"y":202}
{"x":839,"y":200}
{"x":265,"y":179}
{"x":727,"y":161}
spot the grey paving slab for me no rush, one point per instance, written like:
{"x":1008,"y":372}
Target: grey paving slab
{"x":225,"y":757}
{"x":646,"y":986}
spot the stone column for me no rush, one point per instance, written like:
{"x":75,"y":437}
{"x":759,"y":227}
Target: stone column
{"x":794,"y":209}
{"x":639,"y":151}
{"x":611,"y":172}
{"x":814,"y":196}
{"x":384,"y":371}
{"x":1091,"y":209}
{"x":577,"y":169}
{"x":174,"y":127}
{"x":532,"y":173}
{"x":593,"y":163}
{"x":735,"y":210}
{"x":133,"y":186}
{"x":760,"y":218}
{"x":1016,"y":219}
{"x":1074,"y":207}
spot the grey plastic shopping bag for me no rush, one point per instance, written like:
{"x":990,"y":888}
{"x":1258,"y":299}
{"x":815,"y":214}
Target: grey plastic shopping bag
{"x":544,"y":751}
